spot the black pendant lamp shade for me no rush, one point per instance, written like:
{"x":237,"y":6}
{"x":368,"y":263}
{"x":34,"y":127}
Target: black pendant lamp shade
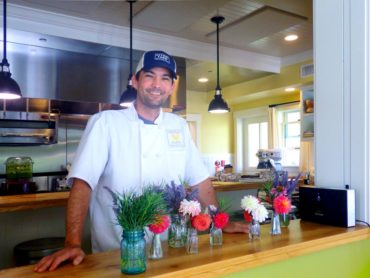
{"x":9,"y":89}
{"x":129,"y":95}
{"x":218,"y":104}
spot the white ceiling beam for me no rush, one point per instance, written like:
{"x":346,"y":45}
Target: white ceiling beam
{"x":44,"y":22}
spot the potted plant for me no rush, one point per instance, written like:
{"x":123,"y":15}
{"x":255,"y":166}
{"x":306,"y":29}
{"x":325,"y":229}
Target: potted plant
{"x":134,"y":212}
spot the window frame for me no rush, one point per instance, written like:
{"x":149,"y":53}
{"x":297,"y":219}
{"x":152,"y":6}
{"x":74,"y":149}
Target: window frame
{"x":239,"y":117}
{"x":285,"y":108}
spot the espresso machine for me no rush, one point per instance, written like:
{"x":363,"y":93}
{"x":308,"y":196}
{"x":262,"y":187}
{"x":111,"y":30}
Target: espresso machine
{"x":269,"y":160}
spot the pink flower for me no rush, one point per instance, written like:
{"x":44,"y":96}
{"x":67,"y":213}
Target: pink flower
{"x":191,"y":208}
{"x":282,"y":204}
{"x":201,"y":222}
{"x":220,"y":220}
{"x":160,"y":224}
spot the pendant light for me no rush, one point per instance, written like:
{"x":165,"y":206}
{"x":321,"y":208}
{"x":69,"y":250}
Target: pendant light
{"x":218,"y":105}
{"x":9,"y":88}
{"x":129,"y":95}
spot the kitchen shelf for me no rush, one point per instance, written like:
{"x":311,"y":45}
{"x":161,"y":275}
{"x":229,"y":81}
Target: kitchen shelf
{"x":222,"y":186}
{"x":307,"y":118}
{"x":21,"y":202}
{"x":33,"y":201}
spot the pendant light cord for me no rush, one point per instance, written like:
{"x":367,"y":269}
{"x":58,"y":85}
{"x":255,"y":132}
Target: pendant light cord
{"x":4,"y":61}
{"x":217,"y":20}
{"x":218,"y":58}
{"x":130,"y":40}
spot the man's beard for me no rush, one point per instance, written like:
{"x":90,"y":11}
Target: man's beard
{"x":148,"y":102}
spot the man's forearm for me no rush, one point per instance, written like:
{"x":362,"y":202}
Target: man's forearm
{"x":207,"y":194}
{"x":77,"y":207}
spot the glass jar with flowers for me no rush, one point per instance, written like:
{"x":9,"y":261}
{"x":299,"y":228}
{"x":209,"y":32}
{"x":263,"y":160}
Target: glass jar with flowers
{"x":173,"y":195}
{"x":219,"y":221}
{"x":278,"y":194}
{"x":160,"y":224}
{"x":201,"y":223}
{"x":198,"y":222}
{"x":134,"y":211}
{"x":254,"y":213}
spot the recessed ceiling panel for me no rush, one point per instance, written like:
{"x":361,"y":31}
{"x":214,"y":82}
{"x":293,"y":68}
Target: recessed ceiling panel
{"x":174,"y":16}
{"x":257,"y":25}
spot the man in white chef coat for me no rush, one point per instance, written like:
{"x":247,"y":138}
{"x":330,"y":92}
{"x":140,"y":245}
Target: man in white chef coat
{"x":126,"y":150}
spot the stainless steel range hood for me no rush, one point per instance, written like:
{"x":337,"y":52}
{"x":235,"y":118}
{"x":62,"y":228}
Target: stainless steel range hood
{"x":77,"y":71}
{"x":27,"y":132}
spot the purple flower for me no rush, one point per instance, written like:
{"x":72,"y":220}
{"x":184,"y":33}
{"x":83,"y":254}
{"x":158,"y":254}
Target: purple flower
{"x":282,"y":179}
{"x":173,"y":195}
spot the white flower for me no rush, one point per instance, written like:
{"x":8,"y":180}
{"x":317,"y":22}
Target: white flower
{"x":190,"y":207}
{"x":260,"y":213}
{"x":249,"y":203}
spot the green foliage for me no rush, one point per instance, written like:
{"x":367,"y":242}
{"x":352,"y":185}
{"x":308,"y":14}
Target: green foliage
{"x":135,"y":211}
{"x":224,"y":204}
{"x":267,"y":186}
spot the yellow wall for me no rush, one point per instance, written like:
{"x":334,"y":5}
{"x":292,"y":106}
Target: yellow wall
{"x":217,"y":134}
{"x":217,"y":129}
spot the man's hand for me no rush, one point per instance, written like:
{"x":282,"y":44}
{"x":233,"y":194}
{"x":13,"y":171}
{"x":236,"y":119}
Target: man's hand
{"x":51,"y":262}
{"x":236,"y":227}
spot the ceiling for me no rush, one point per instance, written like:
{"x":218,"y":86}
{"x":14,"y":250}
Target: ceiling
{"x":257,"y":26}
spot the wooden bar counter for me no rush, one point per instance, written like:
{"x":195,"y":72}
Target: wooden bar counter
{"x":235,"y":255}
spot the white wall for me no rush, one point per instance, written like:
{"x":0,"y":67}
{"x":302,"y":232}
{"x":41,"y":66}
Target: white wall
{"x":341,"y":58}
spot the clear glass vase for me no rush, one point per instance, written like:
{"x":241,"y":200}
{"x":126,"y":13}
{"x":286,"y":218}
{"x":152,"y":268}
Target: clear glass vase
{"x":275,"y":224}
{"x":192,"y":241}
{"x":155,"y":251}
{"x":284,"y":220}
{"x":254,"y":230}
{"x":133,"y":257}
{"x":177,"y":231}
{"x":215,"y":236}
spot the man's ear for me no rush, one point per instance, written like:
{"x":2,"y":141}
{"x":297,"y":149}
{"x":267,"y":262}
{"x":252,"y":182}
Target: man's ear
{"x":134,"y":81}
{"x":174,"y":86}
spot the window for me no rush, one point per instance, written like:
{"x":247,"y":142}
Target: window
{"x":288,"y":125}
{"x":276,"y":127}
{"x":251,"y":128}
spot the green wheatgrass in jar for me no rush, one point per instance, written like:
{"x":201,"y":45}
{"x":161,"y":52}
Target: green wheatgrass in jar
{"x":19,"y":167}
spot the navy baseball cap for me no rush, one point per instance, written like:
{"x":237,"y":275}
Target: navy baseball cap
{"x":157,"y":58}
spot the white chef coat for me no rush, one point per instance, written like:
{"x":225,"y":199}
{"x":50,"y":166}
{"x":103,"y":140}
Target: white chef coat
{"x":119,"y":151}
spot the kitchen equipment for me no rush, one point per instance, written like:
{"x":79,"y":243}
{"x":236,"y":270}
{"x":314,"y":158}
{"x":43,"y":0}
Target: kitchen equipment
{"x":30,"y":252}
{"x":19,"y":167}
{"x":269,"y":159}
{"x":18,"y":176}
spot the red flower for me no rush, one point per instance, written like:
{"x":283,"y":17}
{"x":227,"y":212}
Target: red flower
{"x":220,"y":220}
{"x":247,"y":216}
{"x":160,"y":224}
{"x":201,"y":222}
{"x":282,"y":204}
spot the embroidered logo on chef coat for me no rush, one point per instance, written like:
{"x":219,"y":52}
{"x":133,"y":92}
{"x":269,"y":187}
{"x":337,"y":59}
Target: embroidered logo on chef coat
{"x":175,"y":138}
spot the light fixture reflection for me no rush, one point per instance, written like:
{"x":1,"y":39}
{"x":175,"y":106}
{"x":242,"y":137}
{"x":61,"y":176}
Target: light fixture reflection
{"x":291,"y":37}
{"x":203,"y":80}
{"x":290,"y":89}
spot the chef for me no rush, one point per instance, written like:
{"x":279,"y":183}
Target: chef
{"x":126,"y":150}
